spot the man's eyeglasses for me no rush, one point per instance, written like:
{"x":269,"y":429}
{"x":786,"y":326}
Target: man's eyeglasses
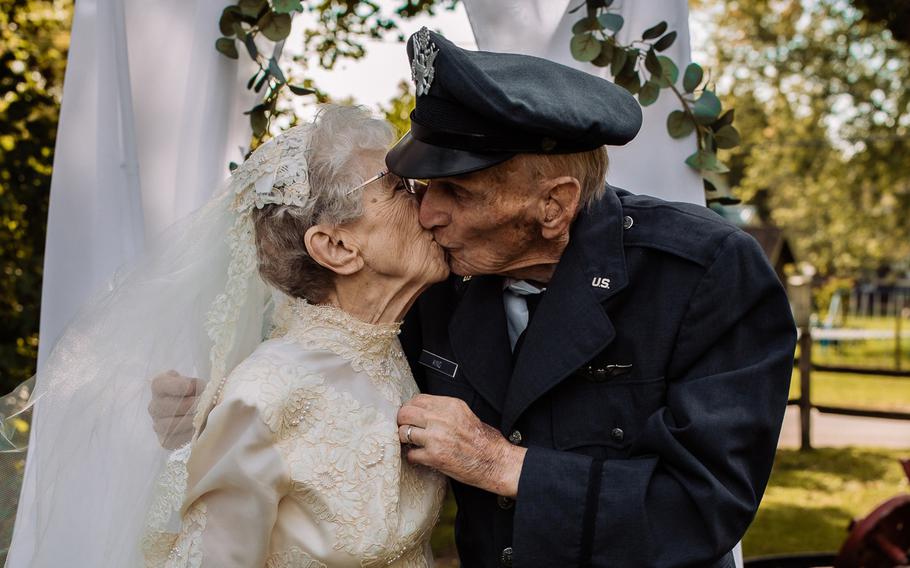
{"x":412,"y":186}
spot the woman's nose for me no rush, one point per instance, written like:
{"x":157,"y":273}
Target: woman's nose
{"x":432,"y":211}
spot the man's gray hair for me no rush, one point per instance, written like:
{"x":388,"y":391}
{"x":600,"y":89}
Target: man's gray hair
{"x":340,"y":136}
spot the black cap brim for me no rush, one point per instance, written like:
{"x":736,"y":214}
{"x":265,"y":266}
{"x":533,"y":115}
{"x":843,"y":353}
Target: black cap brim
{"x":412,"y":158}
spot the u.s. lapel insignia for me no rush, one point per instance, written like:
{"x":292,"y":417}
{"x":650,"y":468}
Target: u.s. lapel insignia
{"x":601,"y":282}
{"x":422,"y":71}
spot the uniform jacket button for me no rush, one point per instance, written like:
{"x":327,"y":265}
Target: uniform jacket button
{"x":505,"y":502}
{"x":627,"y":222}
{"x":506,"y":557}
{"x":515,"y":437}
{"x":617,"y":434}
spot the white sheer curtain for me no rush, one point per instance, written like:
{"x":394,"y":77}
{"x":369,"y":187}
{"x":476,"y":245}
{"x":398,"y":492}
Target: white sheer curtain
{"x":151,"y":117}
{"x":653,"y":163}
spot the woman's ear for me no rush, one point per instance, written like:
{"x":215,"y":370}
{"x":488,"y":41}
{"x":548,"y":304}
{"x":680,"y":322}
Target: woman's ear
{"x":327,"y":246}
{"x":560,"y":205}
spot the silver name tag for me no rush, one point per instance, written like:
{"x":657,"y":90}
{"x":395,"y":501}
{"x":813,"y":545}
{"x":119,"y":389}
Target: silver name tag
{"x":437,"y":363}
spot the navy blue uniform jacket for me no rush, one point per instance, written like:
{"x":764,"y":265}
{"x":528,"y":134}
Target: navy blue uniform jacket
{"x":649,"y":391}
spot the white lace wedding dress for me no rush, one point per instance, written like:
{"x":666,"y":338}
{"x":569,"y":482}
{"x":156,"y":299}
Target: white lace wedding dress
{"x":299,"y":463}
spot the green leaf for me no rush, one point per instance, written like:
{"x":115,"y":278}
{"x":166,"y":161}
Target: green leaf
{"x":286,"y":6}
{"x":692,"y":77}
{"x":239,"y":31}
{"x":251,"y":8}
{"x":670,"y":72}
{"x":723,"y":200}
{"x":301,"y":90}
{"x":629,"y":82}
{"x":276,"y":71}
{"x":606,"y":55}
{"x":619,"y":60}
{"x":229,"y":16}
{"x":631,"y":60}
{"x":648,"y":93}
{"x":577,"y":8}
{"x":251,"y":47}
{"x":262,"y":81}
{"x":611,"y":21}
{"x":706,"y":108}
{"x":586,"y":25}
{"x":225,"y":45}
{"x":261,"y":107}
{"x":259,"y":123}
{"x":252,"y":81}
{"x":652,"y":64}
{"x":679,"y":124}
{"x":585,"y":47}
{"x":725,"y":119}
{"x":727,"y":137}
{"x":274,"y":26}
{"x":704,"y":160}
{"x":665,"y":42}
{"x":655,"y":31}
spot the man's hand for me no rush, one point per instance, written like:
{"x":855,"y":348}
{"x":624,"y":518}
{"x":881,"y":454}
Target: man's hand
{"x":174,"y":400}
{"x":448,"y":437}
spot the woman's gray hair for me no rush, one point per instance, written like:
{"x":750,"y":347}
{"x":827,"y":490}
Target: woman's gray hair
{"x":340,"y":136}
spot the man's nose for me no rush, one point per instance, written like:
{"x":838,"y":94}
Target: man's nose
{"x":432,"y":211}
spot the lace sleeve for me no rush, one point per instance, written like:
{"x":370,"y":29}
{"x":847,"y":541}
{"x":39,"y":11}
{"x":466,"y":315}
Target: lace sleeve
{"x":235,"y":480}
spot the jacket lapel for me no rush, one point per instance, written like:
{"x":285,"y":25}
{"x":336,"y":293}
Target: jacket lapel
{"x":571,"y":326}
{"x":480,"y":341}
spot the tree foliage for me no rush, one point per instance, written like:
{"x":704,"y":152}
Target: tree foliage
{"x":825,"y":109}
{"x":34,"y":37}
{"x":398,"y":110}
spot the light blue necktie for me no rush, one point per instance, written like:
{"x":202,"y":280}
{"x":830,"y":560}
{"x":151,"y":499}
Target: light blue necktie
{"x":513,"y":299}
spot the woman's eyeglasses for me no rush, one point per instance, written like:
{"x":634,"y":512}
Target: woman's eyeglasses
{"x":412,"y":186}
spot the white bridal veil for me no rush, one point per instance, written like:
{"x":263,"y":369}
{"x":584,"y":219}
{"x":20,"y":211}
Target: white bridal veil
{"x":193,"y":302}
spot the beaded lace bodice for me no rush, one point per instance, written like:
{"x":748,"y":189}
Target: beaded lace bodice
{"x":309,"y":423}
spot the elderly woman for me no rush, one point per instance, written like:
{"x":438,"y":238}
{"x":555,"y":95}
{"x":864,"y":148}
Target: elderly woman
{"x":285,"y":291}
{"x":296,"y":459}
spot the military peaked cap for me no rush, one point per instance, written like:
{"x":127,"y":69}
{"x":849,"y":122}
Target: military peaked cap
{"x":476,"y":109}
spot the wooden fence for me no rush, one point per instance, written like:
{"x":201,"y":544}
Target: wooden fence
{"x":804,"y":402}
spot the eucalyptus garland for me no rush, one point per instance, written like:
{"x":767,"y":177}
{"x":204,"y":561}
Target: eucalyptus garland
{"x":639,"y":68}
{"x":242,"y":23}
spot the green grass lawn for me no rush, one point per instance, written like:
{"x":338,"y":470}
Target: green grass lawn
{"x":857,"y":391}
{"x":812,"y":497}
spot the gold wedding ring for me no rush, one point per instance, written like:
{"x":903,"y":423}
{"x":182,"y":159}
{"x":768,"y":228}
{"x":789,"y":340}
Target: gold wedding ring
{"x":407,"y":434}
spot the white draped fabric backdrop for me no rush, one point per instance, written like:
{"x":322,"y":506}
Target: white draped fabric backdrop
{"x":152,"y":115}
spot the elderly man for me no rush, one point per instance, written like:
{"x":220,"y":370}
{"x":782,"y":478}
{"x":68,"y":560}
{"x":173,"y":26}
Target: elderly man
{"x":606,"y":383}
{"x":606,"y":377}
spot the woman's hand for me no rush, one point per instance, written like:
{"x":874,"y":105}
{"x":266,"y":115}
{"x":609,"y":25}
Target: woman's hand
{"x":174,"y":400}
{"x":445,"y":435}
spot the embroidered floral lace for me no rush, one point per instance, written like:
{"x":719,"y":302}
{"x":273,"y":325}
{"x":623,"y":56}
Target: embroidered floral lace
{"x":319,"y":466}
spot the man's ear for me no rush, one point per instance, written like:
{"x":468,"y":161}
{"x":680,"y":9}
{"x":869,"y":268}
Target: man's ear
{"x":327,"y":245}
{"x":561,"y":199}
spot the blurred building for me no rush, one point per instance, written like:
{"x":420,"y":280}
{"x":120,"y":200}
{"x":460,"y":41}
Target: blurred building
{"x":771,"y":237}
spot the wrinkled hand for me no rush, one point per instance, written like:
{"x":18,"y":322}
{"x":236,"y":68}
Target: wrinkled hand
{"x":174,"y":400}
{"x":448,"y":437}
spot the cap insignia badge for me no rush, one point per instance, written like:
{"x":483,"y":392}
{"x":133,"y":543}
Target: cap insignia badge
{"x":422,"y":71}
